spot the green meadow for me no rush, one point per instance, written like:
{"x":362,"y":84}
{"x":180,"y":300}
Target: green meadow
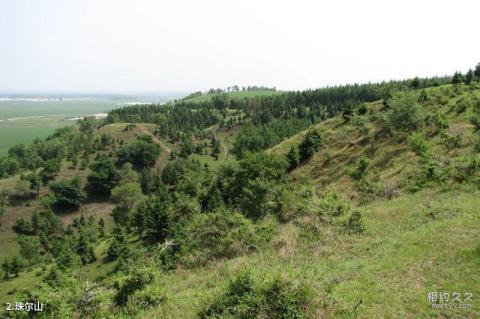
{"x":22,"y":121}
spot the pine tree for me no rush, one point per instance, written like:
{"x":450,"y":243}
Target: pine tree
{"x":103,"y":178}
{"x":68,"y":230}
{"x":293,"y":158}
{"x":66,"y":257}
{"x":457,"y":78}
{"x":477,"y":72}
{"x":469,"y":77}
{"x":415,"y":83}
{"x":147,"y":182}
{"x":82,"y":245}
{"x":215,"y":144}
{"x":36,"y":182}
{"x":101,"y":227}
{"x":186,"y":148}
{"x":84,"y":250}
{"x":309,"y":145}
{"x":155,"y":219}
{"x":163,"y":194}
{"x":82,"y":221}
{"x":118,"y":248}
{"x":35,"y":220}
{"x":91,"y":255}
{"x":6,"y":269}
{"x":15,"y":266}
{"x":2,"y":211}
{"x":29,"y":247}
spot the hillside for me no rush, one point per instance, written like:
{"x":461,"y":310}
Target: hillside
{"x":389,"y":269}
{"x":344,"y":202}
{"x":206,"y":97}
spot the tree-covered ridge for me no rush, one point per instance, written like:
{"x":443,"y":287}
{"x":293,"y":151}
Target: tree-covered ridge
{"x":290,"y":108}
{"x":297,"y":223}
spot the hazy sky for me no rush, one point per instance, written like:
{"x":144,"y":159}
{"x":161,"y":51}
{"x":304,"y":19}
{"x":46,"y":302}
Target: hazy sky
{"x":186,"y":45}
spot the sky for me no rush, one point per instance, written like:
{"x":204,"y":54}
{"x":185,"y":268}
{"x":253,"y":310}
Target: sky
{"x":191,"y":45}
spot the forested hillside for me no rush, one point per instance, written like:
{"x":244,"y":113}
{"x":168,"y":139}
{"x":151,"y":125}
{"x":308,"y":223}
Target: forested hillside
{"x":347,"y":201}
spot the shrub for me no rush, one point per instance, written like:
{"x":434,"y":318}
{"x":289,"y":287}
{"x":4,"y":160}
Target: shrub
{"x":418,"y":144}
{"x":362,"y":109}
{"x":23,"y":227}
{"x":68,"y":193}
{"x":127,"y":194}
{"x":103,"y":178}
{"x":440,"y":122}
{"x":128,"y":285}
{"x":141,"y":153}
{"x":467,"y":169}
{"x":361,"y":122}
{"x":223,"y":234}
{"x":50,"y":168}
{"x":476,"y":144}
{"x":430,"y":171}
{"x":462,"y":105}
{"x":251,"y":185}
{"x":292,"y":202}
{"x":450,"y":141}
{"x":360,"y":169}
{"x":475,"y":121}
{"x":2,"y":211}
{"x":334,"y":205}
{"x":354,"y":224}
{"x":369,"y":187}
{"x":405,"y":113}
{"x":21,"y":189}
{"x":8,"y":166}
{"x":247,"y":297}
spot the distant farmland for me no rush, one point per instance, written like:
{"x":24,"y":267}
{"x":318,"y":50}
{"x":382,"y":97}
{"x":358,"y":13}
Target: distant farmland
{"x":23,"y":120}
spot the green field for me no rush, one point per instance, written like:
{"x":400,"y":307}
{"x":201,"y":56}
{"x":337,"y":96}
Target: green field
{"x":23,"y":121}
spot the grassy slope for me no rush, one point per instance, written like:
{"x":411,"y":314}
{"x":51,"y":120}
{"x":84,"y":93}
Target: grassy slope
{"x":414,"y":243}
{"x":238,"y":95}
{"x":391,"y":158}
{"x":391,"y":268}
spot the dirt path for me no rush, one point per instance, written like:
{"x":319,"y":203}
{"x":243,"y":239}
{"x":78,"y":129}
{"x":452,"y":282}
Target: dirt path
{"x":154,"y":138}
{"x":225,"y":149}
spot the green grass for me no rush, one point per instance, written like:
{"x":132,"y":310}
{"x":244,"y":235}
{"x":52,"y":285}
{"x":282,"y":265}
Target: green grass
{"x":25,"y":131}
{"x":30,"y":120}
{"x":403,"y":255}
{"x":235,"y":95}
{"x":26,"y":279}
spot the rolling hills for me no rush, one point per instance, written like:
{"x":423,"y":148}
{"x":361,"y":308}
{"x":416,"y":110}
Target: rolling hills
{"x":382,"y":212}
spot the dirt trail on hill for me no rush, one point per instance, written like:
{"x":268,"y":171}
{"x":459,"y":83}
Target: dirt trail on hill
{"x":225,"y":149}
{"x":154,"y":138}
